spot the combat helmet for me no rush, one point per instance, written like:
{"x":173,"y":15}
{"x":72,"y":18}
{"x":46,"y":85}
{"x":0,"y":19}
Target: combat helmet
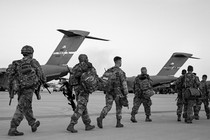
{"x":27,"y":50}
{"x":83,"y":58}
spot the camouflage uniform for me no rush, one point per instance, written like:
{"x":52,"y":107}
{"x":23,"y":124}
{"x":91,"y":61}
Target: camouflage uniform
{"x":204,"y":99}
{"x":139,"y":98}
{"x":82,"y":96}
{"x":24,"y":107}
{"x":190,"y":81}
{"x":114,"y":95}
{"x":180,"y":102}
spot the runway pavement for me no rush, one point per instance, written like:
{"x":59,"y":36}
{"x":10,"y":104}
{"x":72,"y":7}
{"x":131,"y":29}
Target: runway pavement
{"x":54,"y":114}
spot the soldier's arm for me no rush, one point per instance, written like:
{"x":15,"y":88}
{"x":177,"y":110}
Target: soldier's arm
{"x":206,"y":90}
{"x":136,"y":85}
{"x":39,"y":70}
{"x":150,"y":80}
{"x":197,"y":81}
{"x":80,"y":68}
{"x":178,"y":82}
{"x":77,"y":71}
{"x":12,"y":72}
{"x":123,"y":82}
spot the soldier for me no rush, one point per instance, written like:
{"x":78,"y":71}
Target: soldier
{"x":189,"y":81}
{"x":197,"y":103}
{"x":141,"y":84}
{"x":204,"y":99}
{"x":82,"y":96}
{"x":119,"y":89}
{"x":28,"y":73}
{"x":180,"y":103}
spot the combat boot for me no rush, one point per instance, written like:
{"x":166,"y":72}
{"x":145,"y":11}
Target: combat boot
{"x":179,"y":118}
{"x":71,"y":128}
{"x":14,"y":132}
{"x":208,"y":116}
{"x":184,"y":115}
{"x":99,"y":122}
{"x":188,"y":121}
{"x":35,"y":126}
{"x":196,"y":117}
{"x":89,"y":127}
{"x":133,"y":119}
{"x":119,"y":123}
{"x":148,"y":119}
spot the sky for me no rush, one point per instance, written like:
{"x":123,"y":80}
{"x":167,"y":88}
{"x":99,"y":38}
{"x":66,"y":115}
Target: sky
{"x":143,"y":32}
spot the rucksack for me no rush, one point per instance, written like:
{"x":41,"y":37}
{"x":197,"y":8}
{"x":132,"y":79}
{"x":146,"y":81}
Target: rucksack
{"x":27,"y":76}
{"x":108,"y":80}
{"x":190,"y":90}
{"x":89,"y":80}
{"x":145,"y":84}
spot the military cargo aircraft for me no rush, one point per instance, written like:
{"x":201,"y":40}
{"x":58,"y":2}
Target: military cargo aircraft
{"x":56,"y":66}
{"x":165,"y":76}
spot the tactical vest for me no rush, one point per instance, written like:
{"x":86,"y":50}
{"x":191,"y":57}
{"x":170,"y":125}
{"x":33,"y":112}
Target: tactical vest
{"x":27,"y":76}
{"x":145,"y":84}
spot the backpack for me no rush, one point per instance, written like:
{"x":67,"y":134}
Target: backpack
{"x":108,"y":80}
{"x":89,"y":80}
{"x":27,"y":76}
{"x":145,"y":84}
{"x":191,"y":92}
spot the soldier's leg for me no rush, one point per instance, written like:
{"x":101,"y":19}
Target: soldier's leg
{"x":81,"y":106}
{"x":17,"y":118}
{"x":206,"y":107}
{"x":105,"y":110}
{"x":197,"y":108}
{"x":118,"y":112}
{"x":190,"y":104}
{"x":185,"y":110}
{"x":135,"y":108}
{"x":147,"y":109}
{"x":179,"y":109}
{"x":86,"y":120}
{"x":28,"y":112}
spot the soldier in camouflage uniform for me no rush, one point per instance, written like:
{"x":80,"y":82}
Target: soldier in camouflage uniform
{"x":190,"y":81}
{"x":82,"y":96}
{"x":115,"y":94}
{"x":180,"y":102}
{"x":139,"y":97}
{"x":25,"y":95}
{"x":197,"y":102}
{"x":204,"y":99}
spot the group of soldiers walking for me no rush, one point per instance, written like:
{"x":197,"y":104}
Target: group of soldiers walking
{"x":116,"y":92}
{"x":191,"y":105}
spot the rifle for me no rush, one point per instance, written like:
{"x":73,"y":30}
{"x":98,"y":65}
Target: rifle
{"x":13,"y":89}
{"x":10,"y":101}
{"x":11,"y":95}
{"x":37,"y":91}
{"x":68,"y":93}
{"x":45,"y":85}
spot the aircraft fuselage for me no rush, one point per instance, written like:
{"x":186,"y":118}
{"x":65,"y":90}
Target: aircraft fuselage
{"x":54,"y":72}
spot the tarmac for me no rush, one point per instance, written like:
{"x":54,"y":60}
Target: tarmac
{"x":54,"y":114}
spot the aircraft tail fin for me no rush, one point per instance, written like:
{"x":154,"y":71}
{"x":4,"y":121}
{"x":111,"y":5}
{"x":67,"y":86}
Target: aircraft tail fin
{"x":69,"y":44}
{"x":174,"y":63}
